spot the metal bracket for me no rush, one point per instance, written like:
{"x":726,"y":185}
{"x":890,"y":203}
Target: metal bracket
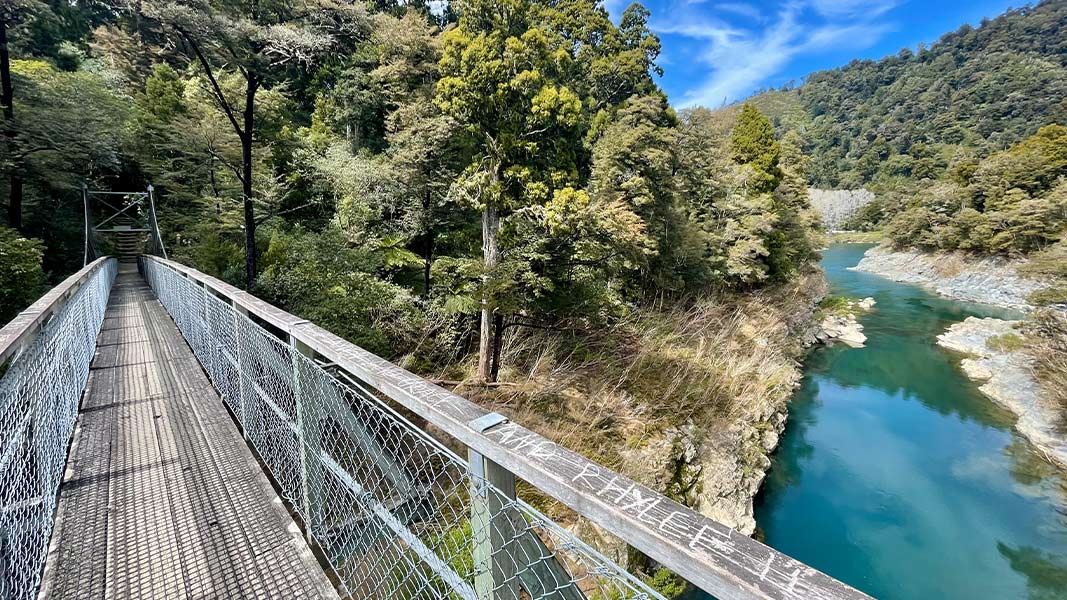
{"x":487,"y":421}
{"x":475,"y":460}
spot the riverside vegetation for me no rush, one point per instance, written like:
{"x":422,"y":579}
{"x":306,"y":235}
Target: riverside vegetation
{"x":964,"y":145}
{"x":497,"y":195}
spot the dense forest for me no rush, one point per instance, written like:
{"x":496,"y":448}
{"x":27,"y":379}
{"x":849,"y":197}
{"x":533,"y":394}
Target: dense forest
{"x":976,"y":91}
{"x":962,"y":142}
{"x":417,"y":182}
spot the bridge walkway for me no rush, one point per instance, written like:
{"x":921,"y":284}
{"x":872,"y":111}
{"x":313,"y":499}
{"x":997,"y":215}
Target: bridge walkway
{"x":161,"y":497}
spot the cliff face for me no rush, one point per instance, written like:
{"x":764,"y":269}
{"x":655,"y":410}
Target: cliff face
{"x":837,"y":206}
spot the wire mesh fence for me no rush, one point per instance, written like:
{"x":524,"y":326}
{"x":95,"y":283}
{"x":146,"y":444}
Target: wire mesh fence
{"x":396,"y":513}
{"x":39,"y":395}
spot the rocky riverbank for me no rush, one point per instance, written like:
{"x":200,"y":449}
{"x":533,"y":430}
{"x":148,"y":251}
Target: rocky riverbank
{"x":987,"y":280}
{"x":996,"y":357}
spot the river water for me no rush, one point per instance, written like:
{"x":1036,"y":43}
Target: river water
{"x":897,"y":476}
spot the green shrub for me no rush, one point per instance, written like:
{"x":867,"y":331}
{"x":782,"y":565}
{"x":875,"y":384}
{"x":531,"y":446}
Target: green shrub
{"x":1053,"y":295}
{"x":835,"y":305}
{"x":1007,"y":342}
{"x":21,"y":276}
{"x":667,"y":583}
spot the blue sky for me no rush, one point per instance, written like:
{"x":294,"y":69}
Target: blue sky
{"x":717,"y":51}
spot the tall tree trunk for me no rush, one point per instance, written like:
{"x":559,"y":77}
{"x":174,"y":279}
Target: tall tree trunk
{"x":427,"y":267}
{"x":491,"y":258}
{"x":246,"y":176}
{"x":14,"y":202}
{"x":7,"y":100}
{"x":498,"y":343}
{"x":431,"y":239}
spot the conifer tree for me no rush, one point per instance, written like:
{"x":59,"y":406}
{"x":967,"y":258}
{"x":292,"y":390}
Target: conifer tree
{"x":752,"y":144}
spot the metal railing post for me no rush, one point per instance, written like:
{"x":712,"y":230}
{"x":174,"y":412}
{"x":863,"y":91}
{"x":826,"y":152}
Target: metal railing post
{"x":493,"y":535}
{"x":247,"y":419}
{"x":309,"y":425}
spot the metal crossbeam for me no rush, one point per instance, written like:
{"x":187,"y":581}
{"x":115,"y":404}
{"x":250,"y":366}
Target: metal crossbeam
{"x":139,"y":211}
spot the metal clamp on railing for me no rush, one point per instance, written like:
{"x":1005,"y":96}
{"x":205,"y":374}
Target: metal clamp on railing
{"x":399,"y":514}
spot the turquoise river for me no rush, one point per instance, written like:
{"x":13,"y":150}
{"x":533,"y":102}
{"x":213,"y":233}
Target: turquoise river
{"x":897,"y":476}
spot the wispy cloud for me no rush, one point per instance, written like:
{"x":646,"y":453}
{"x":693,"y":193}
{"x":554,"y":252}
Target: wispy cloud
{"x":741,"y":46}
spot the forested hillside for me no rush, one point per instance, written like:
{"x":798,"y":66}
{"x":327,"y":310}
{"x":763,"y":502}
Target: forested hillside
{"x":962,"y":142}
{"x":975,"y":91}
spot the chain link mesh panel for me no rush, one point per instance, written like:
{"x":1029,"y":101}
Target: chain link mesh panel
{"x":39,"y":396}
{"x":397,"y":514}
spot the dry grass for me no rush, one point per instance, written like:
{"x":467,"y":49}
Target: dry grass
{"x":855,"y":237}
{"x":1049,"y":348}
{"x":613,"y":389}
{"x":624,"y":394}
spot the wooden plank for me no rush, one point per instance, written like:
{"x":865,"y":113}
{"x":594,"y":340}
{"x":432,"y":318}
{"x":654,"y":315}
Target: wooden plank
{"x":714,"y":557}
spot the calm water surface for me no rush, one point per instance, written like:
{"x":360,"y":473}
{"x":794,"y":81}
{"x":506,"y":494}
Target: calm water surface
{"x":897,"y":476}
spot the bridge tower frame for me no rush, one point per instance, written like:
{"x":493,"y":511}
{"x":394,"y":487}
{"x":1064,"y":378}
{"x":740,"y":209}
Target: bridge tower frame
{"x":131,"y":216}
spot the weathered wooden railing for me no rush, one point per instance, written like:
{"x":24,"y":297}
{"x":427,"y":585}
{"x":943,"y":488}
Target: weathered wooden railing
{"x":713,"y":557}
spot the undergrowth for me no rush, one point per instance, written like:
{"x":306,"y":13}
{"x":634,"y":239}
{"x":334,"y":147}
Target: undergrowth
{"x":609,"y":391}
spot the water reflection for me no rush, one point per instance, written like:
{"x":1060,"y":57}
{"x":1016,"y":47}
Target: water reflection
{"x":896,"y":475}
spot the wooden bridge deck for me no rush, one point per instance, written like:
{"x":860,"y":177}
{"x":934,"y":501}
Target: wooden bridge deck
{"x":161,"y":497}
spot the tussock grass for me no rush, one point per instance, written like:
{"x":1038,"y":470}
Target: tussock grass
{"x":1048,"y":345}
{"x":856,"y":237}
{"x":1006,"y":342}
{"x":837,"y":306}
{"x":607,"y":390}
{"x":1051,"y":264}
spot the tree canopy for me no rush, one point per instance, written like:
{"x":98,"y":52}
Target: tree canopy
{"x":419,"y":182}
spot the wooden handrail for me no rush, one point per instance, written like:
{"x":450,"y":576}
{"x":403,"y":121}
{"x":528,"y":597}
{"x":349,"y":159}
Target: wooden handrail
{"x":714,"y":557}
{"x":27,"y":323}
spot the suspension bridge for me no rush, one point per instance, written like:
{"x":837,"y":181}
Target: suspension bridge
{"x":166,"y":435}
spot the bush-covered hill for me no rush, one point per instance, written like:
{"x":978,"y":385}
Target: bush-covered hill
{"x":976,"y":91}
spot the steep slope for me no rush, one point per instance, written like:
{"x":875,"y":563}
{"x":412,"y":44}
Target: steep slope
{"x":975,"y":91}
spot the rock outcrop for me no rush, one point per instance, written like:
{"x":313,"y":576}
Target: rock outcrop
{"x":838,"y":206}
{"x":1007,"y":378}
{"x":841,"y":328}
{"x":987,"y":280}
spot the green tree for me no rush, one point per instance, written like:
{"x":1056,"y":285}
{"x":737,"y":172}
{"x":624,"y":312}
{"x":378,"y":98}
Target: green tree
{"x":69,"y":126}
{"x":505,"y":80}
{"x":798,"y":228}
{"x":633,"y":164}
{"x":12,"y":13}
{"x":21,"y":277}
{"x":259,"y":42}
{"x":752,"y":143}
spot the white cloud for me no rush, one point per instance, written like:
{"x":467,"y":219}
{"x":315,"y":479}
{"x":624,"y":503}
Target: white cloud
{"x":837,"y":9}
{"x":742,"y":54}
{"x":740,"y":8}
